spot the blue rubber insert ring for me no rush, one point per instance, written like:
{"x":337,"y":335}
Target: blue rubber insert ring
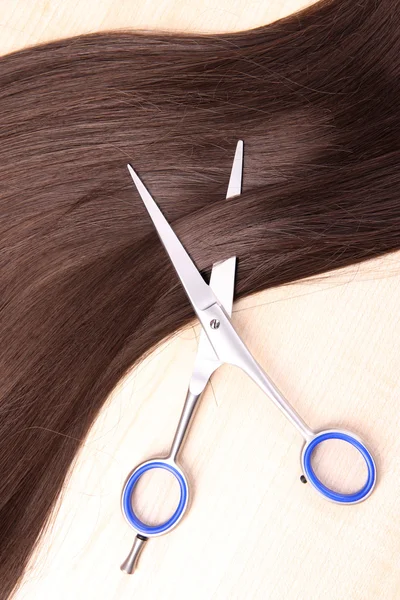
{"x":331,"y":494}
{"x":136,"y":523}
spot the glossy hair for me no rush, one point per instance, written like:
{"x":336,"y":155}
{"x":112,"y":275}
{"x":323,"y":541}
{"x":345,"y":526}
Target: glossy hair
{"x":86,"y":287}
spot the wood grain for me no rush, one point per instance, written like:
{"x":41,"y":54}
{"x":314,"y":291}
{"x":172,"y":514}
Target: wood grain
{"x":253,"y":530}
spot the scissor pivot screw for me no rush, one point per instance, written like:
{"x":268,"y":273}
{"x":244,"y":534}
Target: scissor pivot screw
{"x":303,"y":479}
{"x":214,"y":324}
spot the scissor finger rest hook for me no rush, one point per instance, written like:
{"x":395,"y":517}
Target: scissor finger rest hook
{"x":143,"y":530}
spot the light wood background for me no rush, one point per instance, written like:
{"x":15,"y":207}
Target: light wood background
{"x":253,"y":530}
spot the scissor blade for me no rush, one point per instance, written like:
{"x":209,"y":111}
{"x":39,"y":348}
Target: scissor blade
{"x":222,"y":282}
{"x":235,"y":181}
{"x":200,"y":294}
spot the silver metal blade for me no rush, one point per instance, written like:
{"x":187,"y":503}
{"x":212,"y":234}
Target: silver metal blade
{"x":222,"y":282}
{"x":200,"y":294}
{"x":235,"y":181}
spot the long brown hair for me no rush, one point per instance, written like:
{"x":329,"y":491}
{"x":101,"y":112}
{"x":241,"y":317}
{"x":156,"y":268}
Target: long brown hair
{"x":86,"y":288}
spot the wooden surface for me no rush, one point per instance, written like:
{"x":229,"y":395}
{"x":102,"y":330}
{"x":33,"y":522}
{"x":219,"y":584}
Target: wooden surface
{"x":253,"y":530}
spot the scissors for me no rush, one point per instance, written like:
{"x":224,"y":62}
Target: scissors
{"x":226,"y":346}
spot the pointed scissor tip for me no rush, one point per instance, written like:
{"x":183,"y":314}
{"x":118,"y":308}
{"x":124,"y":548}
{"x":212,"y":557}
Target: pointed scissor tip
{"x":131,"y":170}
{"x":235,"y":180}
{"x":137,"y":181}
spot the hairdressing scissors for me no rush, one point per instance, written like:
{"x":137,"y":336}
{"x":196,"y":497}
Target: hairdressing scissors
{"x":222,"y":282}
{"x":228,"y":347}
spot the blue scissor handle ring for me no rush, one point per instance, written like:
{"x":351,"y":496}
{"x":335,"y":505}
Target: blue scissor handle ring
{"x":324,"y":490}
{"x":126,"y":500}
